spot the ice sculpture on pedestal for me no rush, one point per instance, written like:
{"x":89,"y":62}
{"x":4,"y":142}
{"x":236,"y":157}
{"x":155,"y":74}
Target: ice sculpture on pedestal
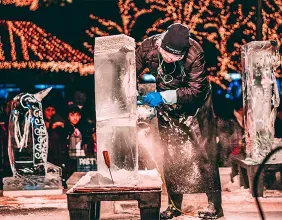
{"x":116,"y":117}
{"x":260,"y":96}
{"x":28,"y":147}
{"x":115,"y":99}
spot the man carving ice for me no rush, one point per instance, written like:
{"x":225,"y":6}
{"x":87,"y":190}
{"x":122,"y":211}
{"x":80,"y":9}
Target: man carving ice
{"x":185,"y":117}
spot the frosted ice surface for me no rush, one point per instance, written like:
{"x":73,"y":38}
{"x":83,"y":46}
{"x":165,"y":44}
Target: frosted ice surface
{"x":260,"y":99}
{"x":122,"y":177}
{"x":115,"y":97}
{"x":28,"y":146}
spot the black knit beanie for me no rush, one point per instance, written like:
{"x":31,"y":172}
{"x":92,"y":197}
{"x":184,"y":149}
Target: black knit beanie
{"x":176,"y":39}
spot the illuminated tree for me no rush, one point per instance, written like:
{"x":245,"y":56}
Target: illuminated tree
{"x":129,"y":13}
{"x":223,"y":23}
{"x":34,"y":4}
{"x":272,"y":25}
{"x":189,"y":13}
{"x":210,"y":21}
{"x":272,"y":17}
{"x":41,"y":50}
{"x":223,"y":26}
{"x":226,"y":18}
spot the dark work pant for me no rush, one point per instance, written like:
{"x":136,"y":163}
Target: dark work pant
{"x":213,"y":197}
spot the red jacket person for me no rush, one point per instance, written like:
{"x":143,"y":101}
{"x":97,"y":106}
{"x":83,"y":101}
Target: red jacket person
{"x":185,"y":116}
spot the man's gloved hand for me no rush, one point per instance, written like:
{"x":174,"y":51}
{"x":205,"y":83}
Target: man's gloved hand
{"x":153,"y":99}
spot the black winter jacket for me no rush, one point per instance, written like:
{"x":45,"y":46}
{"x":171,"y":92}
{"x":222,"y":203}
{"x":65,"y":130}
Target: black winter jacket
{"x":190,"y":77}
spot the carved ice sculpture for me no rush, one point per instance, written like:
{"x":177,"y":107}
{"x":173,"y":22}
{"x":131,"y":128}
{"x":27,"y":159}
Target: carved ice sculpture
{"x":260,"y":96}
{"x":28,"y":146}
{"x":115,"y":100}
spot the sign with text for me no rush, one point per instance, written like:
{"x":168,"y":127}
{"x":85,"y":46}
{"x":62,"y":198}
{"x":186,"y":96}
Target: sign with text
{"x":85,"y":164}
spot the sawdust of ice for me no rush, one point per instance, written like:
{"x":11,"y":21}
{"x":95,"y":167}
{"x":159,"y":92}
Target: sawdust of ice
{"x":122,"y":177}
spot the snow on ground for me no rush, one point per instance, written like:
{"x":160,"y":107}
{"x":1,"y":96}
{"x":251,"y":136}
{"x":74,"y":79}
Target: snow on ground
{"x":238,"y":204}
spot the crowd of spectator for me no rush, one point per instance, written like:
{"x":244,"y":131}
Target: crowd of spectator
{"x":71,"y":131}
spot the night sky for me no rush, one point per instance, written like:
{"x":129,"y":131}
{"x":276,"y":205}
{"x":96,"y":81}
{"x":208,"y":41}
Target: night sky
{"x":70,"y":22}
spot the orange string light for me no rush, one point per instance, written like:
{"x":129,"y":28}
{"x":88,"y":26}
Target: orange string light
{"x":215,"y":21}
{"x":33,"y":4}
{"x":83,"y":69}
{"x":2,"y":56}
{"x":52,"y":53}
{"x":13,"y":47}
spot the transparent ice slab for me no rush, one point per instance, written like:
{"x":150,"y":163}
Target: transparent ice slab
{"x":51,"y":180}
{"x":260,"y":96}
{"x":115,"y":99}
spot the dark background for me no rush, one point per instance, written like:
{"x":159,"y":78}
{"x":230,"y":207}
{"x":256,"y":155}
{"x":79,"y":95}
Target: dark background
{"x":70,"y":22}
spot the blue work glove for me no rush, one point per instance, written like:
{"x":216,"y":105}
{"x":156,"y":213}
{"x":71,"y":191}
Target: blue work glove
{"x":153,"y":99}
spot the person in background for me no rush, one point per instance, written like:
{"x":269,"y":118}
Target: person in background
{"x":57,"y":121}
{"x":79,"y":99}
{"x":74,"y":130}
{"x":90,"y":148}
{"x":49,"y":110}
{"x":57,"y":147}
{"x":4,"y":117}
{"x":78,"y":135}
{"x":4,"y":126}
{"x":185,"y":116}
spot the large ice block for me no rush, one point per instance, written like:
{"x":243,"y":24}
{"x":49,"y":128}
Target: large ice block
{"x":115,"y":99}
{"x":260,"y":96}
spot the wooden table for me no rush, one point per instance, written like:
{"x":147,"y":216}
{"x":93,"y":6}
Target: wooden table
{"x":84,"y":203}
{"x":247,"y":172}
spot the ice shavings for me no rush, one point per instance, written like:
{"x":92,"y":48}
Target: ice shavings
{"x":122,"y":178}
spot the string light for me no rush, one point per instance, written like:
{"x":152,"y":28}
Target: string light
{"x":221,"y":29}
{"x":272,"y":25}
{"x":52,"y":53}
{"x":13,"y":47}
{"x":215,"y":21}
{"x":2,"y":57}
{"x":33,"y":4}
{"x":129,"y":14}
{"x":83,"y":69}
{"x":62,"y":3}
